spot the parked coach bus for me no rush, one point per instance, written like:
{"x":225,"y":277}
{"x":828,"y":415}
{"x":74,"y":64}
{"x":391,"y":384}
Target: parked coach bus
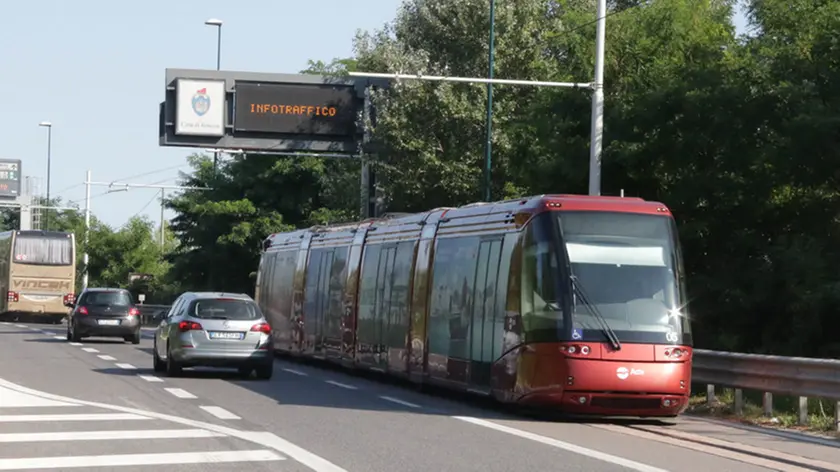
{"x":574,"y":303}
{"x":38,"y":273}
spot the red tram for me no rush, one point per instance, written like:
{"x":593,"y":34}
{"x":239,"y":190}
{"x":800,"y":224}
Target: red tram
{"x":557,"y":301}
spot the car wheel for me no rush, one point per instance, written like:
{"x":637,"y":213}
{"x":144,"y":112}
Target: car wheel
{"x":245,"y":371}
{"x":173,"y":368}
{"x":75,"y":336}
{"x":264,"y":372}
{"x":157,"y":364}
{"x":133,"y":339}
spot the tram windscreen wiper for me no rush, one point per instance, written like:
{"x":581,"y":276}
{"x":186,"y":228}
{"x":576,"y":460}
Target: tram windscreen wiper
{"x":605,"y":327}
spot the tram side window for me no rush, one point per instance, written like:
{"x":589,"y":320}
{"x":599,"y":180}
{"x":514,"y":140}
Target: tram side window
{"x":453,"y":283}
{"x":281,"y":284}
{"x":398,"y":283}
{"x":266,"y":268}
{"x":542,"y":307}
{"x":317,"y":289}
{"x":485,"y":306}
{"x":337,"y":283}
{"x":310,"y":303}
{"x":367,"y":294}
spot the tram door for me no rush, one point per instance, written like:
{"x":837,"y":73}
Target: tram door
{"x":486,"y":294}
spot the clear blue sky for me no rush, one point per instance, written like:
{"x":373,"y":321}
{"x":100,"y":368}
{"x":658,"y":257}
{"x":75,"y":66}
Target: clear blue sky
{"x":95,"y":69}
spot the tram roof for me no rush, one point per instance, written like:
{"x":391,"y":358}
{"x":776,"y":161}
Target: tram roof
{"x":532,"y":204}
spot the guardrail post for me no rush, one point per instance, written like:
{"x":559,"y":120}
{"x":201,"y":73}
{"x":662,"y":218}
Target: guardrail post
{"x":837,"y":415}
{"x":739,"y":401}
{"x":803,"y":410}
{"x":768,"y":404}
{"x":710,"y":394}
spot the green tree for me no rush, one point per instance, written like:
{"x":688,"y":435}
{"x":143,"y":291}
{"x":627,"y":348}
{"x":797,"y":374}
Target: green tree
{"x":219,"y":231}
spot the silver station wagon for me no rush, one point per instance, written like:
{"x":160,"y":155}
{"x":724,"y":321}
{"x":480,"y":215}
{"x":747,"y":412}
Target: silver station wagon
{"x":212,"y":329}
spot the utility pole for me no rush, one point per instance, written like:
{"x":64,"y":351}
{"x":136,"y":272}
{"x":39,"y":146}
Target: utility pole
{"x":119,"y":186}
{"x":597,"y":124}
{"x":218,"y":24}
{"x":488,"y":149}
{"x":48,"y":125}
{"x":162,"y":207}
{"x":87,"y":229}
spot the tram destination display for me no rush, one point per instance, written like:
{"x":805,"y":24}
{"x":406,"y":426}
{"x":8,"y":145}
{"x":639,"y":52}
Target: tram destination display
{"x":295,"y":109}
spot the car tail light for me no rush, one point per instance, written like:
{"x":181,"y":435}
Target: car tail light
{"x":262,"y":328}
{"x":12,"y":296}
{"x":133,"y":312}
{"x":69,"y":298}
{"x":83,"y":310}
{"x":675,"y":353}
{"x":189,"y":326}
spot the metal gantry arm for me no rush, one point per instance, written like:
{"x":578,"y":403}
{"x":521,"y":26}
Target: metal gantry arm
{"x":477,"y":80}
{"x":597,"y":87}
{"x":125,"y":187}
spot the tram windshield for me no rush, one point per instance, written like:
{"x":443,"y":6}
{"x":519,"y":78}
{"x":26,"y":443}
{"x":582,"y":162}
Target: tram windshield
{"x":630,"y":269}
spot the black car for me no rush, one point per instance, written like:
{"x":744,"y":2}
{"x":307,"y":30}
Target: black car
{"x":104,"y":312}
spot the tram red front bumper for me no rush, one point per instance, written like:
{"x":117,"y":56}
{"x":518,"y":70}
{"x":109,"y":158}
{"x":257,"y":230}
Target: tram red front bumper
{"x":613,"y":404}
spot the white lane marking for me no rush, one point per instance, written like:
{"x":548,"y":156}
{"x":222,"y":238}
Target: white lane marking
{"x":70,"y":417}
{"x":180,"y":393}
{"x":150,"y":378}
{"x":13,"y":399}
{"x":339,"y":384}
{"x":563,"y":445}
{"x":108,"y":435}
{"x":296,"y":372}
{"x":49,"y":333}
{"x":76,"y":344}
{"x":269,"y":440}
{"x":90,"y":349}
{"x":105,"y":357}
{"x":220,"y":413}
{"x":5,"y":323}
{"x":125,"y":366}
{"x":60,"y":338}
{"x":67,"y":462}
{"x":398,"y":401}
{"x":21,"y":326}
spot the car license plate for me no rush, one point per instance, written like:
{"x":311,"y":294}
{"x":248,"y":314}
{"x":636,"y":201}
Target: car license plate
{"x":109,"y":322}
{"x":225,"y":335}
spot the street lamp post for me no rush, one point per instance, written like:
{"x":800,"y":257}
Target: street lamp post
{"x":488,"y":150}
{"x":48,"y":125}
{"x":217,"y":23}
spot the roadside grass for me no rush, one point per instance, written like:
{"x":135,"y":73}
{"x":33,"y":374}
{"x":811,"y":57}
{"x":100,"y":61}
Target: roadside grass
{"x":785,"y":411}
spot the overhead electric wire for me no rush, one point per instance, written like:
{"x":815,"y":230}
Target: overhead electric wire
{"x":129,"y":177}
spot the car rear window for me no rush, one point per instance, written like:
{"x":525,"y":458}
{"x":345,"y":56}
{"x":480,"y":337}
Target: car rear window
{"x":225,"y":310}
{"x":107,"y":298}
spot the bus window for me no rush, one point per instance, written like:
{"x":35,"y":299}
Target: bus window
{"x":38,"y":250}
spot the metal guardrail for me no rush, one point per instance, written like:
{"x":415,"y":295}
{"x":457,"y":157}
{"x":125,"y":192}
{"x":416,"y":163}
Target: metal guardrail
{"x":794,"y":376}
{"x":149,"y":312}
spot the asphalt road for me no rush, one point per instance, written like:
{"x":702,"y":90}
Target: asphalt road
{"x":97,"y":405}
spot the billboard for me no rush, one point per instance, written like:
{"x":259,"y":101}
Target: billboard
{"x":249,"y":111}
{"x":10,"y":177}
{"x":314,"y":110}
